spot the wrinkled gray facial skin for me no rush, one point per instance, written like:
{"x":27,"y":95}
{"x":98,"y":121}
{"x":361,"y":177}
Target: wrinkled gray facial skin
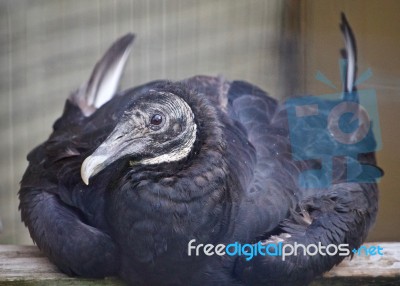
{"x":158,"y":127}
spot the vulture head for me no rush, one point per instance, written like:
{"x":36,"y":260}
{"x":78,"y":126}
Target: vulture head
{"x":158,"y":127}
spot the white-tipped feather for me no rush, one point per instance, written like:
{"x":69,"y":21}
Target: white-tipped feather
{"x":109,"y":83}
{"x":350,"y":47}
{"x":105,"y":78}
{"x":351,"y":63}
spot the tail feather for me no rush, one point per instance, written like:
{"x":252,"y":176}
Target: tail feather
{"x":350,"y":55}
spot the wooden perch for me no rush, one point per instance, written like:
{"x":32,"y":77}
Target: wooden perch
{"x":26,"y":265}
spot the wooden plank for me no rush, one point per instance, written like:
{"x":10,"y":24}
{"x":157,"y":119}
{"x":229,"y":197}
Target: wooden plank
{"x":366,"y":269}
{"x":26,"y":265}
{"x":387,"y":265}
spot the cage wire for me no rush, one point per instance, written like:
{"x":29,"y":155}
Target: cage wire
{"x":48,"y":49}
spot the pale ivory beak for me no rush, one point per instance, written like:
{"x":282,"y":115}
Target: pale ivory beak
{"x":91,"y":166}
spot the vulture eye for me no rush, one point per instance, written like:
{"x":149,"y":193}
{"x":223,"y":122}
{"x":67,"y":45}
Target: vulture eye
{"x":156,"y":119}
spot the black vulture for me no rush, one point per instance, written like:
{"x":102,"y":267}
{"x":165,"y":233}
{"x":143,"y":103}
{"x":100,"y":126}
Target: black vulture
{"x":140,"y":183}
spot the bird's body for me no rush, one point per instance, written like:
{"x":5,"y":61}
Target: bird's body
{"x":121,"y":188}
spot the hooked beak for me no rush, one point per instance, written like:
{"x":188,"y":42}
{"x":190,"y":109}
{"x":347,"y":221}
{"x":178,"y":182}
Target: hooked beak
{"x":91,"y":166}
{"x":116,"y":146}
